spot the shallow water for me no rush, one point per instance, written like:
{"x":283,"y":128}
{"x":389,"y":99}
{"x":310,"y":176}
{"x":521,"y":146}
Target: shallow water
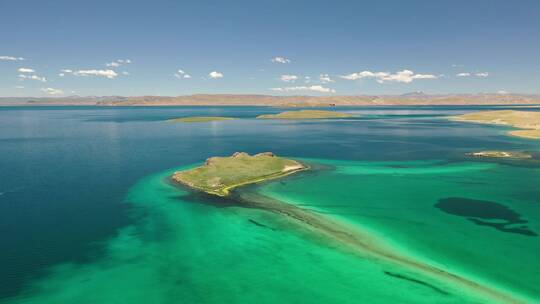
{"x":88,"y":214}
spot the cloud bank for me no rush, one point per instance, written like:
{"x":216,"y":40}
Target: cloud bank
{"x":280,"y":60}
{"x":404,"y":76}
{"x":26,"y":70}
{"x":215,"y":75}
{"x":110,"y":74}
{"x":325,"y":78}
{"x":288,"y":78}
{"x":52,"y":91}
{"x":11,"y":58}
{"x":32,"y":77}
{"x":479,"y":74}
{"x":180,"y":74}
{"x":117,"y":63}
{"x":313,"y":88}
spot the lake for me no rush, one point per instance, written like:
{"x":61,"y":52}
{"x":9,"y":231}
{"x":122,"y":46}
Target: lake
{"x":88,"y":214}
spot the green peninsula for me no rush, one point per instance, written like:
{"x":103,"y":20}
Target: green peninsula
{"x":220,"y":174}
{"x":528,"y":121}
{"x":305,"y":114}
{"x":200,"y":119}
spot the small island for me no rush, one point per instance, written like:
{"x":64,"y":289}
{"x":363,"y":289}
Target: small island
{"x":528,"y":121}
{"x":502,"y":154}
{"x":305,"y":114}
{"x":219,"y":175}
{"x":200,"y":119}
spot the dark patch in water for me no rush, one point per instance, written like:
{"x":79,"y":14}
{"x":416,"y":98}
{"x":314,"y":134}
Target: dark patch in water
{"x":259,"y":224}
{"x":403,"y":277}
{"x":486,"y":213}
{"x":200,"y":197}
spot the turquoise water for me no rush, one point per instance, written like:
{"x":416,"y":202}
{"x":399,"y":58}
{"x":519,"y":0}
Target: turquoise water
{"x":89,"y":215}
{"x":397,"y":200}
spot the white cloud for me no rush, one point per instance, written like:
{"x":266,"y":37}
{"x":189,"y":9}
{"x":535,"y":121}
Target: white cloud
{"x":66,"y":71}
{"x":360,"y":75}
{"x":314,"y":88}
{"x":61,"y":74}
{"x":288,"y":78}
{"x":125,"y":73}
{"x":102,"y":73}
{"x":280,"y":60}
{"x":19,"y":87}
{"x":118,"y":63}
{"x":307,"y":79}
{"x":215,"y":75}
{"x":180,"y":74}
{"x":423,"y":76}
{"x":404,"y":76}
{"x":11,"y":58}
{"x":26,"y":70}
{"x":325,"y":78}
{"x":32,"y":77}
{"x":319,"y":88}
{"x":52,"y":91}
{"x":503,"y":92}
{"x":467,"y":74}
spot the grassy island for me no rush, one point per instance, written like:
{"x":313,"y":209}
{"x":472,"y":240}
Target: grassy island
{"x":528,"y":121}
{"x":220,"y":174}
{"x":200,"y":119}
{"x":305,"y":114}
{"x":502,"y":154}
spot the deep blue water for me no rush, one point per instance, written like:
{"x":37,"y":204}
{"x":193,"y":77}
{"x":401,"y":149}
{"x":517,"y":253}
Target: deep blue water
{"x":64,"y":171}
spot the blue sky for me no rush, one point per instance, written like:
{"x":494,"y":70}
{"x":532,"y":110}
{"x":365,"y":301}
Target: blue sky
{"x":344,"y":47}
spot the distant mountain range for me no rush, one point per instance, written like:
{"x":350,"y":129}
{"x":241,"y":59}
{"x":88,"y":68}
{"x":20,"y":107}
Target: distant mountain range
{"x":415,"y":98}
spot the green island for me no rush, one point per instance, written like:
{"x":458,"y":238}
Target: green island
{"x":527,"y":121}
{"x":305,"y":114}
{"x":200,"y":119}
{"x":501,"y":154}
{"x":219,"y":175}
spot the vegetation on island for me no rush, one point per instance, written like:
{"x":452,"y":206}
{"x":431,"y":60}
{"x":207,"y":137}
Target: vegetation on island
{"x":305,"y":114}
{"x":221,"y":174}
{"x":200,"y":119}
{"x":528,"y":121}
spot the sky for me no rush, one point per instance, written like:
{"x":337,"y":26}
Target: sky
{"x":169,"y":48}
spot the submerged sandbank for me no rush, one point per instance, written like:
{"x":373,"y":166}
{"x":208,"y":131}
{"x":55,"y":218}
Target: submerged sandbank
{"x":518,"y":155}
{"x":305,"y":114}
{"x":200,"y":119}
{"x":365,"y":244}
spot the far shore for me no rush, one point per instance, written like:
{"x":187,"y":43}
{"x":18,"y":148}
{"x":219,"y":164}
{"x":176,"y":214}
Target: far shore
{"x":411,"y":99}
{"x":527,"y":122}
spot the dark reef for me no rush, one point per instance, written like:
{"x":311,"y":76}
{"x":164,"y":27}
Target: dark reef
{"x":486,"y":213}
